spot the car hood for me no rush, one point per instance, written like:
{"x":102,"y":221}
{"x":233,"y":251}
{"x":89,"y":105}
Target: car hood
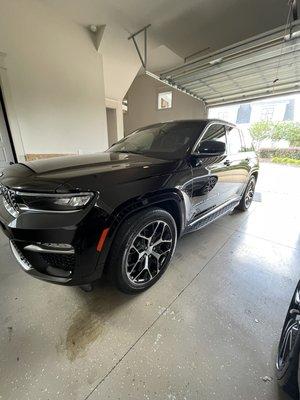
{"x":84,"y":171}
{"x":95,"y":163}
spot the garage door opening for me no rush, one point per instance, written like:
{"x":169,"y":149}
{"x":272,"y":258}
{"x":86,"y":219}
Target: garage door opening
{"x":7,"y":153}
{"x":274,"y":124}
{"x":112,"y":132}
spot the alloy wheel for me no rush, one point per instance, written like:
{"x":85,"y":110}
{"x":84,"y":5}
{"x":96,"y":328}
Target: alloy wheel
{"x":290,"y":333}
{"x":148,"y":252}
{"x":249,"y":194}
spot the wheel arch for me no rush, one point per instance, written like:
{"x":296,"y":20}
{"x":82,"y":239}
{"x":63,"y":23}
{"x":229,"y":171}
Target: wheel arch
{"x":255,"y":174}
{"x":171,"y":201}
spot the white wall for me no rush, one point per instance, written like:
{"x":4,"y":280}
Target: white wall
{"x":117,"y":105}
{"x":120,"y":61}
{"x":55,"y":77}
{"x":111,"y":116}
{"x":143,"y":106}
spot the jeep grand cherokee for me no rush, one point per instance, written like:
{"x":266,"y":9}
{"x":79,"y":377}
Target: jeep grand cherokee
{"x":68,"y":219}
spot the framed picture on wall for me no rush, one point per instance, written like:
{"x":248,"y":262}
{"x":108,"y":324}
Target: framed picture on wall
{"x":164,"y":100}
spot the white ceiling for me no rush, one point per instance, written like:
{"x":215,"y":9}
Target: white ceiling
{"x":178,"y":29}
{"x":183,"y":26}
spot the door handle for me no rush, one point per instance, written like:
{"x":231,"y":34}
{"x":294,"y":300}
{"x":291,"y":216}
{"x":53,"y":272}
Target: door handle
{"x":227,"y":162}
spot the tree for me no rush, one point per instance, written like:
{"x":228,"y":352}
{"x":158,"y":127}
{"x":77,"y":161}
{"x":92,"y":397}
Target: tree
{"x":261,"y":130}
{"x":287,"y":130}
{"x":275,"y":131}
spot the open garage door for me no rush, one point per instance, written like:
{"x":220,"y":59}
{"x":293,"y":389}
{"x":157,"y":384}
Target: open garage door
{"x":264,"y":65}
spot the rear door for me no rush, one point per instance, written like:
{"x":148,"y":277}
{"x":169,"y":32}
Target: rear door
{"x":238,"y":163}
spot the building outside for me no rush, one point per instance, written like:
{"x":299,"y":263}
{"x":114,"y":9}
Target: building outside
{"x":274,"y":109}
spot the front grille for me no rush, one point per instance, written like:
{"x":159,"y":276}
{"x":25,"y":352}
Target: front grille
{"x":9,"y":200}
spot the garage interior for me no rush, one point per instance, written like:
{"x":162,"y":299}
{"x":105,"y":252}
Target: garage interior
{"x":73,"y":82}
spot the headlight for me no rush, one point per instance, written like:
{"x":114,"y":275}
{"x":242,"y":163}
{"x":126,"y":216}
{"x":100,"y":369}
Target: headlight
{"x":52,"y":202}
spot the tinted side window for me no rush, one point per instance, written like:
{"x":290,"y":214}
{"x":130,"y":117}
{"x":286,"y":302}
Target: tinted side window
{"x":234,"y":140}
{"x":215,"y":132}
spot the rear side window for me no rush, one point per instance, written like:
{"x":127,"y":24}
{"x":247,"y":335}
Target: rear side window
{"x":247,"y":141}
{"x":234,"y":140}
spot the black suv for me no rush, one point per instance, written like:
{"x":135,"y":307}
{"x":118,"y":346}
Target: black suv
{"x":68,"y":219}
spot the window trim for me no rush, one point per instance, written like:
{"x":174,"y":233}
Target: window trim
{"x":225,"y":125}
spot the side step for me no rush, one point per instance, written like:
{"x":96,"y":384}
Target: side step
{"x":212,"y":216}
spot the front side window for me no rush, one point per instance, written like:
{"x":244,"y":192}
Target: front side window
{"x":215,"y":132}
{"x":164,"y":100}
{"x":234,"y":141}
{"x":171,"y":140}
{"x":247,"y":141}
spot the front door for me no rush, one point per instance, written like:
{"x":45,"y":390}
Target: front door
{"x":210,"y":177}
{"x":6,"y":153}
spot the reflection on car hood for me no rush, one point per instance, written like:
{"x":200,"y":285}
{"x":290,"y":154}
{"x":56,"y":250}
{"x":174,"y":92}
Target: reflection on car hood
{"x":71,"y":166}
{"x":88,"y":172}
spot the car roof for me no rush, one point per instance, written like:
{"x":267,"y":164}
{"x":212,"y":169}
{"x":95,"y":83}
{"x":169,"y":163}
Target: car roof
{"x":221,"y":121}
{"x":205,"y":120}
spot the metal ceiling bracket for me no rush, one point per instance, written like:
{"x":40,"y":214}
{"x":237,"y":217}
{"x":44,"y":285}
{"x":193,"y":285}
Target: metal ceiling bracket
{"x":154,"y":76}
{"x":133,"y":37}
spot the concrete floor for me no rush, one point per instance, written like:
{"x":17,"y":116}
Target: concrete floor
{"x":207,"y":330}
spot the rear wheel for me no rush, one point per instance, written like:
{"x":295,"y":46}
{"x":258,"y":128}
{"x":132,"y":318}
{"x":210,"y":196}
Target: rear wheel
{"x":289,"y":348}
{"x":248,"y":195}
{"x":142,"y":250}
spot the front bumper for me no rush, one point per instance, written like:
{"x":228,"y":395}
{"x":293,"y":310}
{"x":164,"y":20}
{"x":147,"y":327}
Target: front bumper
{"x":28,"y":267}
{"x":38,"y":240}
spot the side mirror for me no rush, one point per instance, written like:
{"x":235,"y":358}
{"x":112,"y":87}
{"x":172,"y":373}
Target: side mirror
{"x":211,"y":148}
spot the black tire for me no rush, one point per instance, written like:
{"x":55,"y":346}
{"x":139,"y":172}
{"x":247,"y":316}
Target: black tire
{"x":245,"y":202}
{"x":287,"y":363}
{"x":132,"y":246}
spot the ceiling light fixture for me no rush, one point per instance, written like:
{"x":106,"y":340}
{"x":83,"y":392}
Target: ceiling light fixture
{"x":93,"y":28}
{"x":216,"y":61}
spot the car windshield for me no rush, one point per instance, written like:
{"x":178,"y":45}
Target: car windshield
{"x":171,"y":140}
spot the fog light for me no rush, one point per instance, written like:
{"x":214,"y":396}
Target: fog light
{"x":64,"y":246}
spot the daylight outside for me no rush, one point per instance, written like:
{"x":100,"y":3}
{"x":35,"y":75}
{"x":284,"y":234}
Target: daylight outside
{"x":273,"y":123}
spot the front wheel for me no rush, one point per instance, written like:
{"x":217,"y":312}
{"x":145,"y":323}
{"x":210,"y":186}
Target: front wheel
{"x":142,"y":250}
{"x":248,"y":195}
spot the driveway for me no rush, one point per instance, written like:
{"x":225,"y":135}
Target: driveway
{"x":207,"y":330}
